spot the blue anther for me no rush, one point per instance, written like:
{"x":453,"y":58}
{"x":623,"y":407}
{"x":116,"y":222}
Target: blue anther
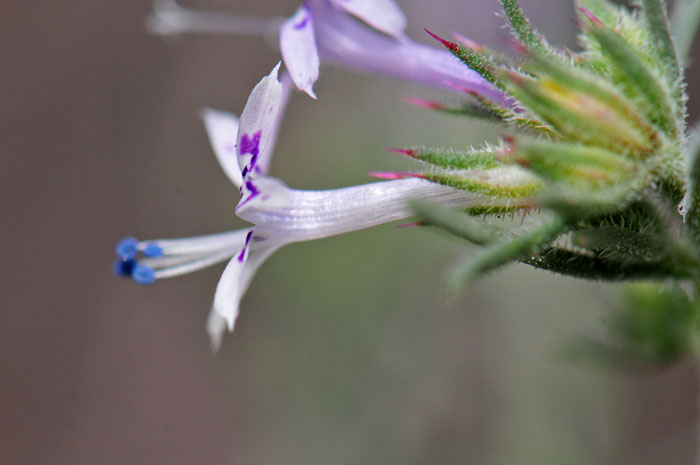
{"x":127,"y":248}
{"x":153,"y":250}
{"x":143,"y":274}
{"x":124,"y":268}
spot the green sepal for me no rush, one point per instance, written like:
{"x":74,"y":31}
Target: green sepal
{"x":637,"y":80}
{"x":484,"y":158}
{"x":481,"y":183}
{"x":580,"y":80}
{"x":576,"y":166}
{"x":577,"y":116}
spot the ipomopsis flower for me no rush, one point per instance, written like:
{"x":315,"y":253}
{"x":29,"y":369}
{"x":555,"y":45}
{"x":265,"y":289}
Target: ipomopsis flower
{"x":279,"y":215}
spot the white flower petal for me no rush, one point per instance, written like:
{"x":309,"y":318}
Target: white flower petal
{"x":298,"y":46}
{"x":258,"y":121}
{"x":266,"y":156}
{"x":290,"y":215}
{"x":238,"y":275}
{"x":216,"y":326}
{"x":383,"y":15}
{"x":222,"y":129}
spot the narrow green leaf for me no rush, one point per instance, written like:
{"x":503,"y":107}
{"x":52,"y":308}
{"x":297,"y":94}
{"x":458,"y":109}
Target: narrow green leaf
{"x":500,"y":253}
{"x":684,"y":26}
{"x":455,"y":222}
{"x":657,"y":24}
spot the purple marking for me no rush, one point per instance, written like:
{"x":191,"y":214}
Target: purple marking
{"x":251,"y":146}
{"x":241,"y":255}
{"x":254,"y":192}
{"x":304,"y":21}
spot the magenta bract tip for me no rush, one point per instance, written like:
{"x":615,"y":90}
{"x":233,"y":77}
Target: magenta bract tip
{"x":410,"y":153}
{"x":450,"y":45}
{"x":423,"y":103}
{"x":591,"y":17}
{"x":393,"y":175}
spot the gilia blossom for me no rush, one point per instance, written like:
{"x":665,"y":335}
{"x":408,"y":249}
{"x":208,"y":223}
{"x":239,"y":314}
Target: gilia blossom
{"x":329,"y":31}
{"x":279,"y":215}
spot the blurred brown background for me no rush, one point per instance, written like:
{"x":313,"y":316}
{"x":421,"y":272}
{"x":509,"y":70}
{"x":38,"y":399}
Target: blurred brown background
{"x":346,"y":352}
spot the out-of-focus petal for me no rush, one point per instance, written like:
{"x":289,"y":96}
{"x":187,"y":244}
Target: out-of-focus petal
{"x":258,"y":121}
{"x":298,"y":46}
{"x":383,"y":15}
{"x":222,"y":129}
{"x":342,"y":40}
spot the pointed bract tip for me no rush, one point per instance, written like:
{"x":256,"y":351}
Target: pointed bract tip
{"x":410,"y":153}
{"x":450,"y":45}
{"x":591,"y":17}
{"x":423,"y":103}
{"x":394,"y":175}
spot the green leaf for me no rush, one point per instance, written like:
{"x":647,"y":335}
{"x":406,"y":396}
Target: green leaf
{"x":657,"y":25}
{"x":455,"y":222}
{"x":500,"y":253}
{"x":684,"y":26}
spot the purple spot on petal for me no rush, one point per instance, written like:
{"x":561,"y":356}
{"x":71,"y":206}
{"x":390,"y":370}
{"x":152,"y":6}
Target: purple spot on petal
{"x":241,"y":255}
{"x":304,"y":21}
{"x":254,"y":192}
{"x":251,"y":146}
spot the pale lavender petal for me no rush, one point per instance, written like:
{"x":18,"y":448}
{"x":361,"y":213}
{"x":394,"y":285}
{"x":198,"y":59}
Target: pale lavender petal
{"x":298,"y":46}
{"x":215,"y":327}
{"x":258,"y":121}
{"x":237,"y":277}
{"x":222,"y":129}
{"x":281,"y":213}
{"x":236,"y":287}
{"x":266,"y":156}
{"x":343,"y":40}
{"x":383,"y":15}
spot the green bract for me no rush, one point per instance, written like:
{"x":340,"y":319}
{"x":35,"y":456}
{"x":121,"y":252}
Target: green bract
{"x":600,"y":138}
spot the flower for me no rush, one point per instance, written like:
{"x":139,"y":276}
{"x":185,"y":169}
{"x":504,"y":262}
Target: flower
{"x":279,"y":215}
{"x":328,"y":30}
